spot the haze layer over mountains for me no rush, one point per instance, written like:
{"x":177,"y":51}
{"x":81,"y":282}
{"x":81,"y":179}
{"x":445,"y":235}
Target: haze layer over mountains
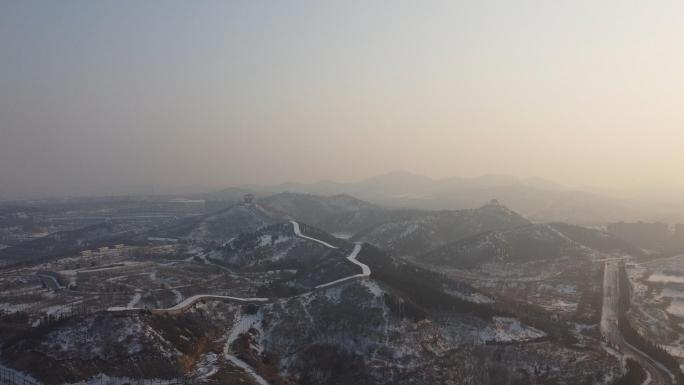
{"x":536,"y":198}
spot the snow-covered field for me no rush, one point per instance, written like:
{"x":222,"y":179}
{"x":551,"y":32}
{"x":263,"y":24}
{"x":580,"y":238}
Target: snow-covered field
{"x":666,"y":278}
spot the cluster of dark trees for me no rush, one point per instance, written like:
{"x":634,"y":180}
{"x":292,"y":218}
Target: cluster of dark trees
{"x":654,"y":351}
{"x":591,"y":300}
{"x":403,"y":308}
{"x":538,"y":317}
{"x":18,"y":318}
{"x":635,"y":374}
{"x":64,"y":243}
{"x":423,"y":288}
{"x":313,"y":232}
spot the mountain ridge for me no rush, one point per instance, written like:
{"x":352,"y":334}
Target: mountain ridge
{"x":538,"y":199}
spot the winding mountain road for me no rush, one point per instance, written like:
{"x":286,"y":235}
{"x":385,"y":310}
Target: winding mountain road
{"x":186,"y":304}
{"x":657,"y":374}
{"x":298,"y":232}
{"x":365,"y":270}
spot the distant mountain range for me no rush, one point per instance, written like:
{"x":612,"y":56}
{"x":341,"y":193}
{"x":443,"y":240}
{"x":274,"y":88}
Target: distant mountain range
{"x":538,"y":199}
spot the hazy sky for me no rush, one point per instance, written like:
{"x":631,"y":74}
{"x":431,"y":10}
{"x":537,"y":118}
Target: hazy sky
{"x":108,"y":96}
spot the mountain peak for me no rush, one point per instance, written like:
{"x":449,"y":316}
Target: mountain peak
{"x":496,"y":204}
